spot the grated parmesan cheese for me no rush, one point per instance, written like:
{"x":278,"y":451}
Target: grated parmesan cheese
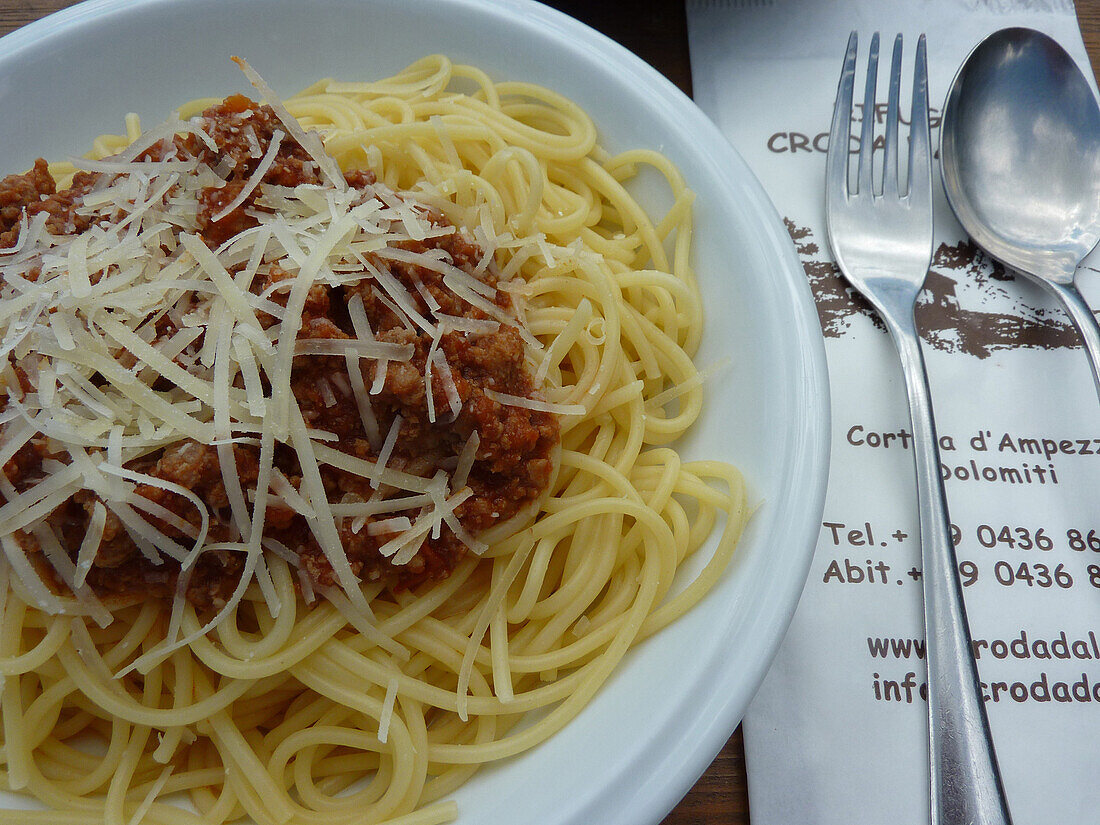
{"x":139,"y":337}
{"x":387,"y":710}
{"x":253,"y":179}
{"x":535,"y":404}
{"x":308,"y":140}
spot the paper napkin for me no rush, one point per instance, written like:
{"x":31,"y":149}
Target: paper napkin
{"x":838,"y":731}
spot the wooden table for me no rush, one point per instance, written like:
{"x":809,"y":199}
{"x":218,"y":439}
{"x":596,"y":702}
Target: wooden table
{"x":657,"y":32}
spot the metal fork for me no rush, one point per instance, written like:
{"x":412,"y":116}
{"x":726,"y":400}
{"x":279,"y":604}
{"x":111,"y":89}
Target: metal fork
{"x":883,"y":245}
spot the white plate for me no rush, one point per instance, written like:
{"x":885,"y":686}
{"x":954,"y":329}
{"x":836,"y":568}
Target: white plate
{"x":654,"y":728}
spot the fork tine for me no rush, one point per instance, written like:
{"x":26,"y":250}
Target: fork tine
{"x":836,"y":161}
{"x":920,"y":138}
{"x":867,"y":134}
{"x":890,"y":165}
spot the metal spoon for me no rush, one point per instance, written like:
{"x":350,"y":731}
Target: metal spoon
{"x":1020,"y":156}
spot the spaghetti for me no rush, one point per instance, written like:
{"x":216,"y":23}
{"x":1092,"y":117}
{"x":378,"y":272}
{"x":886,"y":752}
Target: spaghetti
{"x":373,"y":698}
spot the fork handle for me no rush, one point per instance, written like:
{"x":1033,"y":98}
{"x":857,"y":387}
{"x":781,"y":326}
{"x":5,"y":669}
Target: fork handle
{"x":966,"y":783}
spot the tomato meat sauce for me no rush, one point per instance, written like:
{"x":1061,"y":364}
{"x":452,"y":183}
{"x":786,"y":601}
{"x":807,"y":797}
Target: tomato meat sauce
{"x":514,"y":462}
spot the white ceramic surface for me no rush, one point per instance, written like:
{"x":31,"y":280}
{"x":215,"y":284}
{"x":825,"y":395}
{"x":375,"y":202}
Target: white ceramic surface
{"x":659,"y":722}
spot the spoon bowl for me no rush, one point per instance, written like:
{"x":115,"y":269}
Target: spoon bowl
{"x":1020,"y":158}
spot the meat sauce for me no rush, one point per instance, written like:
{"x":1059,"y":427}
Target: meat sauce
{"x":513,"y":463}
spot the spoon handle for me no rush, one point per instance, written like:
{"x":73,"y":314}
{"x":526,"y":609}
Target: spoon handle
{"x":966,"y":783}
{"x":1085,"y":322}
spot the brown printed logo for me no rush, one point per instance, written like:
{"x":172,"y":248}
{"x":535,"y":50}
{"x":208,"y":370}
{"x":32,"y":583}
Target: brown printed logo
{"x":970,"y":303}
